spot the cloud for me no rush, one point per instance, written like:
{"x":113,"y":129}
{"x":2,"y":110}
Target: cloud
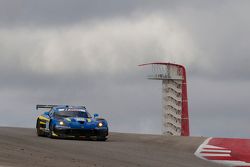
{"x":109,"y":46}
{"x":221,"y":34}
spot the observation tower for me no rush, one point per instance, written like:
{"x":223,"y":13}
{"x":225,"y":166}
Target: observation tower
{"x":175,"y":119}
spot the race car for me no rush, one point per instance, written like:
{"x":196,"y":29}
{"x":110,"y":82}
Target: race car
{"x":65,"y":121}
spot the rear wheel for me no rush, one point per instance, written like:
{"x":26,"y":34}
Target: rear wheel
{"x":38,"y":130}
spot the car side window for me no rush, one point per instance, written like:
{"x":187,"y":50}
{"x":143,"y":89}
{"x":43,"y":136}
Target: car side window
{"x":51,"y":113}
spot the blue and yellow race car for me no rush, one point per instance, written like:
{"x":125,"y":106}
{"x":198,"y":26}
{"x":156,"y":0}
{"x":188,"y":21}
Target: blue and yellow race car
{"x":63,"y":121}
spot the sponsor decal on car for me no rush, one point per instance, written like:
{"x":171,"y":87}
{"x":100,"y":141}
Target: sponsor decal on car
{"x":80,"y":119}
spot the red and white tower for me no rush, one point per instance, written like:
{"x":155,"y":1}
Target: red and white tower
{"x":175,"y":120}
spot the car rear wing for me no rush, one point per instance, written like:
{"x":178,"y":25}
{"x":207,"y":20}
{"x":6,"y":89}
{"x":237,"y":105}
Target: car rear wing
{"x":45,"y":106}
{"x":50,"y":106}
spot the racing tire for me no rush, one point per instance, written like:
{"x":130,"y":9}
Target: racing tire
{"x":50,"y":134}
{"x":38,"y":130}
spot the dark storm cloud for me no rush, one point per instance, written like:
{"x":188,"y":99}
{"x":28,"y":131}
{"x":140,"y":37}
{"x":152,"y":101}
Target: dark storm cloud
{"x":87,"y":52}
{"x":64,"y":12}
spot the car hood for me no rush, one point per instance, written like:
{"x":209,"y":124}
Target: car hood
{"x":78,"y":119}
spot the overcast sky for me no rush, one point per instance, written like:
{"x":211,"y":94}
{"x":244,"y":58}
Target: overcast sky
{"x":87,"y":52}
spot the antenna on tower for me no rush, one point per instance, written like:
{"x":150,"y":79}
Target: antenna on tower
{"x":175,"y":119}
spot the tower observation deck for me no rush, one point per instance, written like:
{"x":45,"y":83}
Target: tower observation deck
{"x":175,"y":119}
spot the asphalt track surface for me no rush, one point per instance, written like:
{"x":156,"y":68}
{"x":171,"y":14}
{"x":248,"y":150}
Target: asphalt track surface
{"x":21,"y":147}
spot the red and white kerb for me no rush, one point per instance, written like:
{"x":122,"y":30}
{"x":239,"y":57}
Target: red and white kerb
{"x":227,"y":151}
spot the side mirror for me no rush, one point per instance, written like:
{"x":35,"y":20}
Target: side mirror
{"x":96,"y":115}
{"x":46,"y":113}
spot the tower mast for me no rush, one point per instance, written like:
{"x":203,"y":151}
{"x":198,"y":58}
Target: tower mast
{"x":175,"y":119}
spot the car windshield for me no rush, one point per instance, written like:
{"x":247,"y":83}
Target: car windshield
{"x":82,"y":114}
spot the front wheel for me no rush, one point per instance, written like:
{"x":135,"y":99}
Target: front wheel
{"x":51,"y":129}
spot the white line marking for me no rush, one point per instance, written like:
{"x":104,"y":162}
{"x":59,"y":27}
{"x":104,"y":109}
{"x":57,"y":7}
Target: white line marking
{"x":197,"y":152}
{"x":215,"y":155}
{"x":231,"y":163}
{"x":217,"y":151}
{"x":211,"y":146}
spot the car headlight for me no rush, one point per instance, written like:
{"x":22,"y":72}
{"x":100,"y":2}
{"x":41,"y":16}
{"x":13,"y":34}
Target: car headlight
{"x":61,"y":125}
{"x":100,"y":124}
